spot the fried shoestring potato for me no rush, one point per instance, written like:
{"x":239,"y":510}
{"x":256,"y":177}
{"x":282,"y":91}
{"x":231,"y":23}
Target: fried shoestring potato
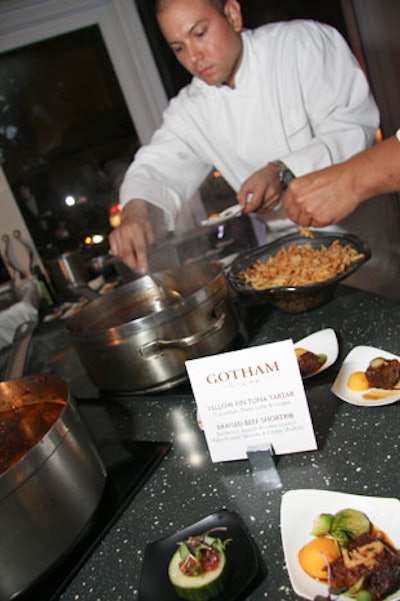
{"x":304,"y":231}
{"x":301,"y":265}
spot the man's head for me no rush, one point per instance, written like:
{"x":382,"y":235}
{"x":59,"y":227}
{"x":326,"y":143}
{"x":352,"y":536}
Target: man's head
{"x":205,"y":36}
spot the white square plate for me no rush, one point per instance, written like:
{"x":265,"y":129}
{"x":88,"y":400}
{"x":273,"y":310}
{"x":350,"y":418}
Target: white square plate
{"x":324,"y":341}
{"x":358,"y":360}
{"x":299,"y":508}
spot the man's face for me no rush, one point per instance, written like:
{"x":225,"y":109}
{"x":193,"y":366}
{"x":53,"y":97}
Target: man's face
{"x":205,"y":42}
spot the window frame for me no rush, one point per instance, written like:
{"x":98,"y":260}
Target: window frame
{"x":23,"y":22}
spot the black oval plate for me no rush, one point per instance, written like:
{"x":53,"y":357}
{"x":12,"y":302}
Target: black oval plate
{"x":246,"y":568}
{"x":263,"y":253}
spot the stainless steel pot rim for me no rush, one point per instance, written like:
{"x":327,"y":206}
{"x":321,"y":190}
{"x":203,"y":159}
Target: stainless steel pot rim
{"x":39,"y":454}
{"x":83,"y":324}
{"x":79,"y":327}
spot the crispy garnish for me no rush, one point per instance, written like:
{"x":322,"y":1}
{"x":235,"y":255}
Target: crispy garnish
{"x":301,"y":265}
{"x":365,"y":555}
{"x":304,"y":231}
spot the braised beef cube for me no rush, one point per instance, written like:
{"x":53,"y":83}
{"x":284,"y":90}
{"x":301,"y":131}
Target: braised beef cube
{"x":309,"y":363}
{"x":384,"y":581}
{"x":384,"y":373}
{"x":381,"y":574}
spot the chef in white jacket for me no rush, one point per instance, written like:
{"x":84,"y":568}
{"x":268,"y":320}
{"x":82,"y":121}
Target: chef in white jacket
{"x":263,"y":106}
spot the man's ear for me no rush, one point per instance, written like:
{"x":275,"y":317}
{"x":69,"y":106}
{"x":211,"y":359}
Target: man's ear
{"x":233,"y":13}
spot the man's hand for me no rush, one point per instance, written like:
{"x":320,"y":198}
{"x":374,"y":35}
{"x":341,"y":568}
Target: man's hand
{"x":321,"y":198}
{"x":261,"y":191}
{"x":131,"y":239}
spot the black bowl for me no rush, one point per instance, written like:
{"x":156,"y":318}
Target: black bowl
{"x":295,"y":299}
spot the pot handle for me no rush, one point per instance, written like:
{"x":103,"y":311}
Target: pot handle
{"x":19,"y":349}
{"x":156,"y":345}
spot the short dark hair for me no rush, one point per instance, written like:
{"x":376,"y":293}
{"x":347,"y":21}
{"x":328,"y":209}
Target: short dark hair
{"x":161,"y":5}
{"x":219,"y":5}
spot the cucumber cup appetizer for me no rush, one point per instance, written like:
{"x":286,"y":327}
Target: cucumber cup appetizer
{"x":198,"y":568}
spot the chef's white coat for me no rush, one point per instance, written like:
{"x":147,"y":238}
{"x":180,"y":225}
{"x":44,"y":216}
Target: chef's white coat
{"x":300,"y":96}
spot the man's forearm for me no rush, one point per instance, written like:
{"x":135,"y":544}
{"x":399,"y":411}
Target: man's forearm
{"x":377,"y":170}
{"x":136,"y":207}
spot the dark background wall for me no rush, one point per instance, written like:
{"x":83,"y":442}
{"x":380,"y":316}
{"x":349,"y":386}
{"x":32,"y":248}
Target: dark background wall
{"x":374,"y":27}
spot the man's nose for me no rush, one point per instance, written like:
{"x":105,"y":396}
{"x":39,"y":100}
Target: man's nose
{"x":195,"y":53}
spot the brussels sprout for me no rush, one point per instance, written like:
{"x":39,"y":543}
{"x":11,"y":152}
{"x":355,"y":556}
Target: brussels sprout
{"x":349,"y":524}
{"x":356,"y":588}
{"x":364,"y":596}
{"x":341,"y":537}
{"x":378,"y":362}
{"x":322,"y":524}
{"x":322,"y":358}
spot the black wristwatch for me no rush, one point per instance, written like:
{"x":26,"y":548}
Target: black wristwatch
{"x":284,"y":174}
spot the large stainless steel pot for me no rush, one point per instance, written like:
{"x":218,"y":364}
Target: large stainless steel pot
{"x":138,"y":337}
{"x":50,"y":493}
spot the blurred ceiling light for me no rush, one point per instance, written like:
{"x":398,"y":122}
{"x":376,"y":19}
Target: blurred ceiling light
{"x":95,"y":239}
{"x":115,"y":215}
{"x":378,"y":135}
{"x":69,"y":201}
{"x":115,"y":209}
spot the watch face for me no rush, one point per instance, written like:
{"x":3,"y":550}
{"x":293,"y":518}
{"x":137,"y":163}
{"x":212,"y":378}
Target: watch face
{"x":285,"y":177}
{"x":284,"y":174}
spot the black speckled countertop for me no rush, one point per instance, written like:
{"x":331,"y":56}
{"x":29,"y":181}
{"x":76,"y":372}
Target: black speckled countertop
{"x":358,"y":452}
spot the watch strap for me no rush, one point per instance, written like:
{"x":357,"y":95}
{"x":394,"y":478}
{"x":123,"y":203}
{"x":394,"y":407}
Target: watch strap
{"x":285,"y":175}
